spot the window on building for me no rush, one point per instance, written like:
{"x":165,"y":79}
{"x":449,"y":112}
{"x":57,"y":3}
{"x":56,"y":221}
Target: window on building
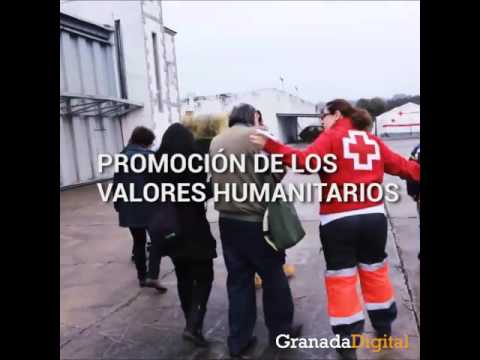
{"x":120,"y":60}
{"x":157,"y":71}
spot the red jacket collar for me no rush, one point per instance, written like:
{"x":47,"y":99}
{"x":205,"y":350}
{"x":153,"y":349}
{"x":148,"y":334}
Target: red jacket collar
{"x":343,"y":123}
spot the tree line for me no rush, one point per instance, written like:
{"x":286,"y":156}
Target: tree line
{"x":377,"y":105}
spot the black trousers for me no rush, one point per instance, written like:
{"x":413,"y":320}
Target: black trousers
{"x":354,"y":246}
{"x":139,"y":241}
{"x":246,"y":253}
{"x":194,"y":283}
{"x":133,"y":247}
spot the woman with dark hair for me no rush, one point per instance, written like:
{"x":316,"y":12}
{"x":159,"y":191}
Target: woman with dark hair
{"x":353,"y":233}
{"x":134,"y":215}
{"x":195,"y":248}
{"x":259,"y":118}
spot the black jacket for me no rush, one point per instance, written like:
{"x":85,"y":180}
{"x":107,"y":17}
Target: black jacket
{"x":196,"y":240}
{"x":413,"y":188}
{"x":132,"y":214}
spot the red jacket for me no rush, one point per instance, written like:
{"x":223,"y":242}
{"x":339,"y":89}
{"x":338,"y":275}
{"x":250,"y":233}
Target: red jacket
{"x":362,"y":158}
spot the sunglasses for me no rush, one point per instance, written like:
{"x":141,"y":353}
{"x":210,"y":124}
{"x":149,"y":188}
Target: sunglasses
{"x":324,"y":113}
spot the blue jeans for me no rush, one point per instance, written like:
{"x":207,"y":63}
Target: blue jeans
{"x":246,"y":252}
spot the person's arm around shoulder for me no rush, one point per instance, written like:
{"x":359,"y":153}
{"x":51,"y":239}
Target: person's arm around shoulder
{"x":321,"y":146}
{"x":395,"y":164}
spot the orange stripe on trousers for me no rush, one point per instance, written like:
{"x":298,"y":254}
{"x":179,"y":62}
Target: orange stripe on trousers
{"x":376,"y":285}
{"x":343,"y":300}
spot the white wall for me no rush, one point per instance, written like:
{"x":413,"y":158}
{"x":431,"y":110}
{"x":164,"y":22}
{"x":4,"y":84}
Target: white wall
{"x":137,"y":26}
{"x":268,"y":101}
{"x":172,"y":76}
{"x":159,"y":118}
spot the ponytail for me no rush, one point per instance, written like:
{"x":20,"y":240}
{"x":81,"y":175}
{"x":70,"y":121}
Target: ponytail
{"x":361,"y":119}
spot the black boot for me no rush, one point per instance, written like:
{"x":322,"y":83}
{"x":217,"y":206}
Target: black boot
{"x":294,"y":332}
{"x":153,"y":283}
{"x":385,"y":331}
{"x":347,"y":353}
{"x":242,"y":354}
{"x":196,"y":337}
{"x":194,"y":321}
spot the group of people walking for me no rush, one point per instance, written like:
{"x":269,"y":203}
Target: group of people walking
{"x":194,"y":253}
{"x":353,"y":234}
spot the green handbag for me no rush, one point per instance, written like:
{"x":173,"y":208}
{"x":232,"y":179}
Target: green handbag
{"x":284,"y":226}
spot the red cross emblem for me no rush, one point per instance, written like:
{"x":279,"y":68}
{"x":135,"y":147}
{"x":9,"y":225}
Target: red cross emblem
{"x":400,"y":113}
{"x":361,"y":149}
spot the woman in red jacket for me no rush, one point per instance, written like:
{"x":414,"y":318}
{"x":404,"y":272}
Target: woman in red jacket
{"x":353,"y":233}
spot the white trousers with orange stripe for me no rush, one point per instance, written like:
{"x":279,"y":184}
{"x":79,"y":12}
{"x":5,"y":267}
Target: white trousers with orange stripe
{"x":354,"y":250}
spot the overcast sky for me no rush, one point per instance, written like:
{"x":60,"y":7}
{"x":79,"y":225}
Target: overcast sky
{"x":327,"y":49}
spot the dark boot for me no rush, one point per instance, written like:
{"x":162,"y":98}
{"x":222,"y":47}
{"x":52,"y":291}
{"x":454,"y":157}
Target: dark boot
{"x":383,"y":332}
{"x":156,"y":285}
{"x":193,"y":330}
{"x":243,"y":353}
{"x":196,"y":337}
{"x":295,"y":332}
{"x":347,"y":353}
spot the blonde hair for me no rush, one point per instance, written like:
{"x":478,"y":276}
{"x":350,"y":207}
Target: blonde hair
{"x":205,"y":126}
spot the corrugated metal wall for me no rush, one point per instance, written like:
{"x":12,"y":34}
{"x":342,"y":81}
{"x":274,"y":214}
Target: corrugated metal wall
{"x":87,"y":68}
{"x":82,"y":139}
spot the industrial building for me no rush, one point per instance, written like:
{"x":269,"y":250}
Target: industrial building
{"x":284,"y":114}
{"x":117,"y":71}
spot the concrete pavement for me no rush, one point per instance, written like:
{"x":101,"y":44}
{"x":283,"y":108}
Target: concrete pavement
{"x":104,"y":315}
